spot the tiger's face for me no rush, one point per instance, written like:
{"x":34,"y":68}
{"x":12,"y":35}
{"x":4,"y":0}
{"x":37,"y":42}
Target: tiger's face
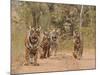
{"x":54,"y":38}
{"x":34,"y":37}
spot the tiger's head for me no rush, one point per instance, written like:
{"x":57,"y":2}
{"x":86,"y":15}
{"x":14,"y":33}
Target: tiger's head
{"x":33,"y":36}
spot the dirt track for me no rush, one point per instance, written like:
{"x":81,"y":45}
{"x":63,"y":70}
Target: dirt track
{"x":61,"y":62}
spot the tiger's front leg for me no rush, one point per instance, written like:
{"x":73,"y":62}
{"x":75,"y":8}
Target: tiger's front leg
{"x":35,"y":60}
{"x":34,"y":57}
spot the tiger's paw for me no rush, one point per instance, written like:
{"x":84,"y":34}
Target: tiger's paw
{"x":36,"y":64}
{"x":26,"y":64}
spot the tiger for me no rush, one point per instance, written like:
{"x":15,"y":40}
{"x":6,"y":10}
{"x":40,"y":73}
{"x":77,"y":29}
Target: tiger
{"x":77,"y":45}
{"x":31,"y":47}
{"x":54,"y":42}
{"x":45,"y":45}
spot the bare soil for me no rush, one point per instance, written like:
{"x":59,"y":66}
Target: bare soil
{"x":64,"y":61}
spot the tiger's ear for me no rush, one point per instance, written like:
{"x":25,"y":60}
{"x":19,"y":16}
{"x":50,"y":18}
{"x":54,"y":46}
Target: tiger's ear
{"x":30,"y":27}
{"x":40,"y":28}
